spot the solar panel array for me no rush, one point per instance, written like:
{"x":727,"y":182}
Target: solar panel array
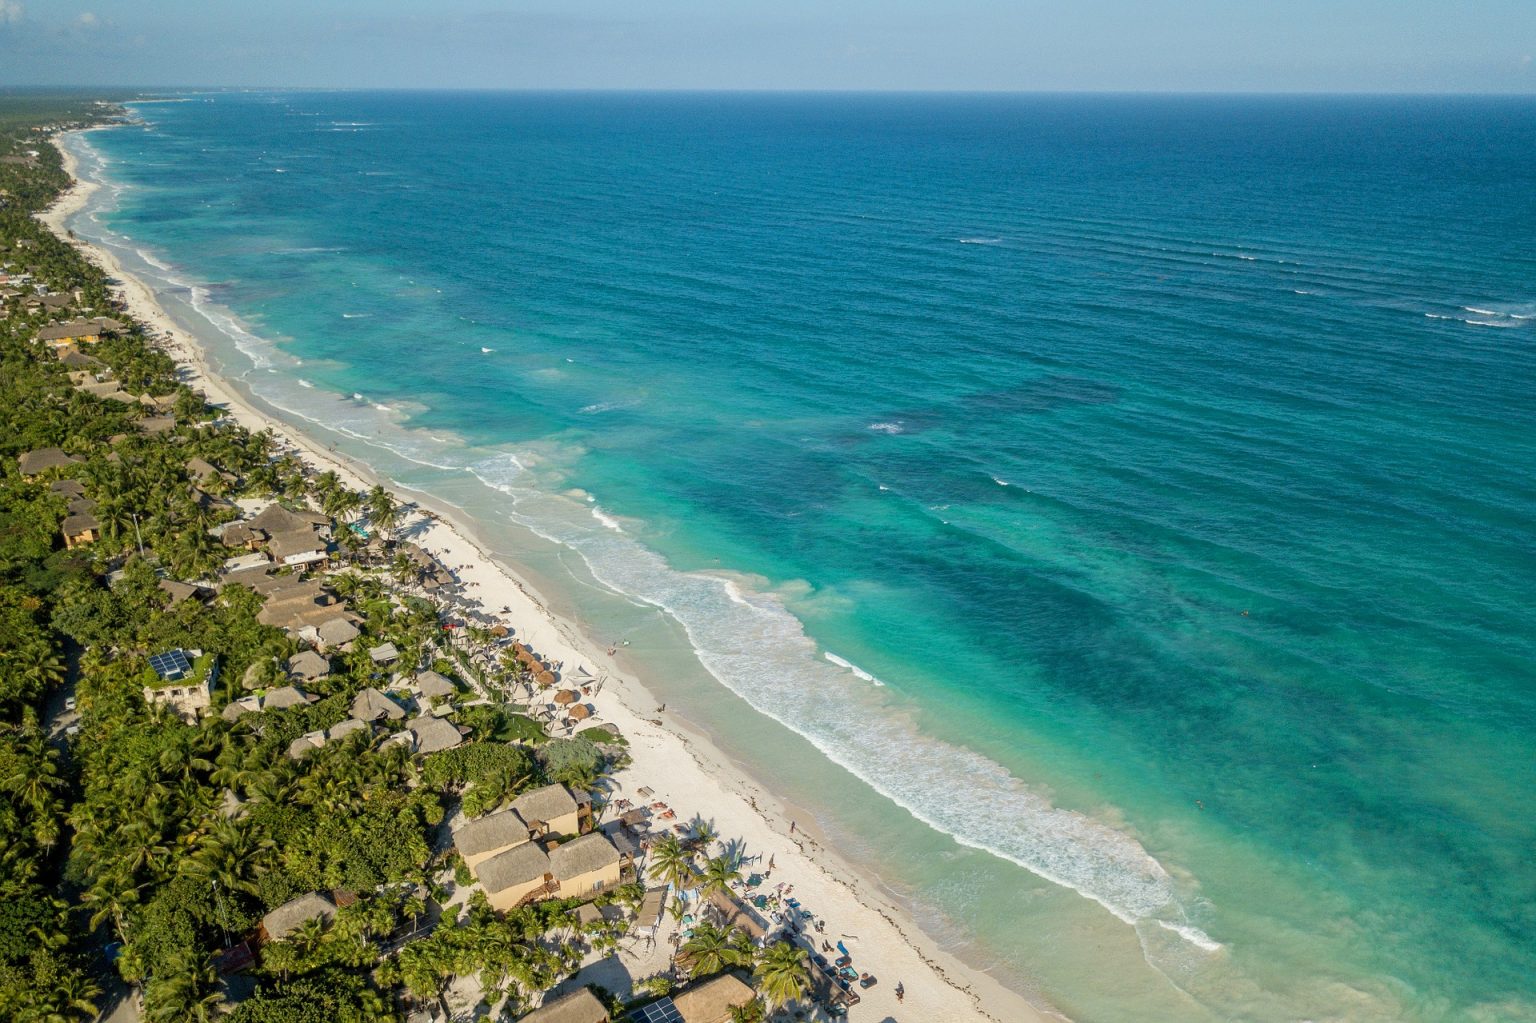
{"x":172,"y":666}
{"x":657,"y":1012}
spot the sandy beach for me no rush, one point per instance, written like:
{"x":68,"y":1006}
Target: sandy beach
{"x":678,"y":763}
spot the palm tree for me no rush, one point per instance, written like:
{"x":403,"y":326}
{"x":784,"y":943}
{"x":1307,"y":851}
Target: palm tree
{"x":718,"y":875}
{"x":752,"y":1012}
{"x":383,"y":511}
{"x":712,"y":949}
{"x":783,"y":973}
{"x":671,"y":863}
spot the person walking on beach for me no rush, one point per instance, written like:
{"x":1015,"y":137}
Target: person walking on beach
{"x":901,"y":992}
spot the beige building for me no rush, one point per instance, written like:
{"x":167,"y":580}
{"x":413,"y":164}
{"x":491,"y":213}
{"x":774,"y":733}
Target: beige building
{"x":585,"y":866}
{"x":520,"y":874}
{"x":490,"y":835}
{"x":553,"y":810}
{"x":183,"y":682}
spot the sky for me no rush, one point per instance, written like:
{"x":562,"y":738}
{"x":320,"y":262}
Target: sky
{"x":1027,"y":45}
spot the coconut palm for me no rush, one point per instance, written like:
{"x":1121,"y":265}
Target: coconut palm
{"x":717,"y":875}
{"x":711,"y":949}
{"x":672,"y":863}
{"x":383,"y":511}
{"x":783,"y":973}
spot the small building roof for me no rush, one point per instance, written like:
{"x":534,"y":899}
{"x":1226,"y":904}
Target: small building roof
{"x":433,"y":735}
{"x":434,"y":685}
{"x":274,"y":519}
{"x":583,"y":855}
{"x":305,"y":744}
{"x":337,"y":631}
{"x":69,"y":331}
{"x":545,"y":804}
{"x":713,"y":1000}
{"x":309,"y":665}
{"x":178,"y":590}
{"x":43,"y":459}
{"x":156,"y":424}
{"x":67,"y":488}
{"x":299,"y":541}
{"x":292,"y":915}
{"x":347,"y":727}
{"x":734,"y":915}
{"x":244,"y":705}
{"x":201,"y":469}
{"x":371,"y":705}
{"x":236,"y":534}
{"x":518,"y":865}
{"x":77,"y":525}
{"x":284,"y":697}
{"x":492,"y":831}
{"x":384,"y":653}
{"x":580,"y":1006}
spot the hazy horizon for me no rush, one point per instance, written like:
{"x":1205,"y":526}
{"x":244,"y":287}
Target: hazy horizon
{"x":1115,"y":46}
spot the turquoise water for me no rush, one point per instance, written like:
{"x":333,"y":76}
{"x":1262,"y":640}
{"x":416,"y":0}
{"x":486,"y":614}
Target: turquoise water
{"x":1164,"y":465}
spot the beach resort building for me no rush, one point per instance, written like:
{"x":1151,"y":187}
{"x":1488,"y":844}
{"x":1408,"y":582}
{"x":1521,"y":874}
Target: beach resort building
{"x":372,"y":705}
{"x":580,"y":1006}
{"x":582,"y":867}
{"x":554,"y":810}
{"x":490,"y":835}
{"x":80,"y":528}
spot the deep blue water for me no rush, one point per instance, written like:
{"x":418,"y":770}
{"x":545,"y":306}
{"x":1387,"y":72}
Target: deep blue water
{"x":1173,"y":457}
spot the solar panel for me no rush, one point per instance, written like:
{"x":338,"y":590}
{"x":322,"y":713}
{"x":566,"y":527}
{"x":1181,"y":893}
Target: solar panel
{"x":662,"y":1011}
{"x":171,"y":666}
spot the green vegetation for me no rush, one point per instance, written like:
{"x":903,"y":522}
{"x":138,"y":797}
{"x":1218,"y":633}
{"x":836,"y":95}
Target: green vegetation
{"x":149,"y":844}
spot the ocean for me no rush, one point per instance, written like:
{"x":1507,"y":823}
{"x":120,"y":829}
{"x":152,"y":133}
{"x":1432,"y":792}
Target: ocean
{"x":1113,"y":519}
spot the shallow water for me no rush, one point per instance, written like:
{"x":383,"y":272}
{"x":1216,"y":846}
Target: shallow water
{"x":1163,"y":465}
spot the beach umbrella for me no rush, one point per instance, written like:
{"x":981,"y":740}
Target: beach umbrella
{"x":546,"y":678}
{"x":567,"y":696}
{"x":499,"y":631}
{"x":581,"y":711}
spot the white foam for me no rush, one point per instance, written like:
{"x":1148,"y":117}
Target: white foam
{"x":1001,"y":483}
{"x":891,"y":428}
{"x":1481,"y":312}
{"x":979,"y":241}
{"x":305,"y":383}
{"x":486,"y":351}
{"x":607,"y":520}
{"x":355,"y":316}
{"x":857,"y":671}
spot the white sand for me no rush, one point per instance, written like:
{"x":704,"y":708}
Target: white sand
{"x":682,"y":767}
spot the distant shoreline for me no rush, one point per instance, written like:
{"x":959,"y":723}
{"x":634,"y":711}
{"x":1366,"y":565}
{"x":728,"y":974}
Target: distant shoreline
{"x":681,"y":765}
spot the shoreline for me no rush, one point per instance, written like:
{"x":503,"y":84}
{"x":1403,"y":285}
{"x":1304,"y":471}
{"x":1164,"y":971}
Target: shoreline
{"x":674,"y":758}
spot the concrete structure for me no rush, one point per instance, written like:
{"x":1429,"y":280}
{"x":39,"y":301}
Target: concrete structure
{"x":189,"y":694}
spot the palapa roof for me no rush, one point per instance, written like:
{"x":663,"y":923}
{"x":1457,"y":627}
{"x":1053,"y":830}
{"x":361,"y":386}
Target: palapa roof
{"x":156,"y":424}
{"x":201,"y":469}
{"x":545,"y":804}
{"x":43,"y":459}
{"x":308,"y":664}
{"x":371,"y":705}
{"x":433,"y":735}
{"x":299,"y":541}
{"x":305,"y":744}
{"x":384,"y":653}
{"x":651,"y":907}
{"x":69,"y":331}
{"x":67,"y":488}
{"x":518,"y":865}
{"x":274,"y":519}
{"x":290,"y":916}
{"x":713,"y":1000}
{"x":583,"y":855}
{"x":244,"y":705}
{"x":76,"y":525}
{"x":492,"y":831}
{"x":734,"y":914}
{"x":178,"y":590}
{"x":73,"y":358}
{"x":580,"y":1006}
{"x":347,"y":727}
{"x":284,"y":697}
{"x":433,"y":684}
{"x":337,"y":631}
